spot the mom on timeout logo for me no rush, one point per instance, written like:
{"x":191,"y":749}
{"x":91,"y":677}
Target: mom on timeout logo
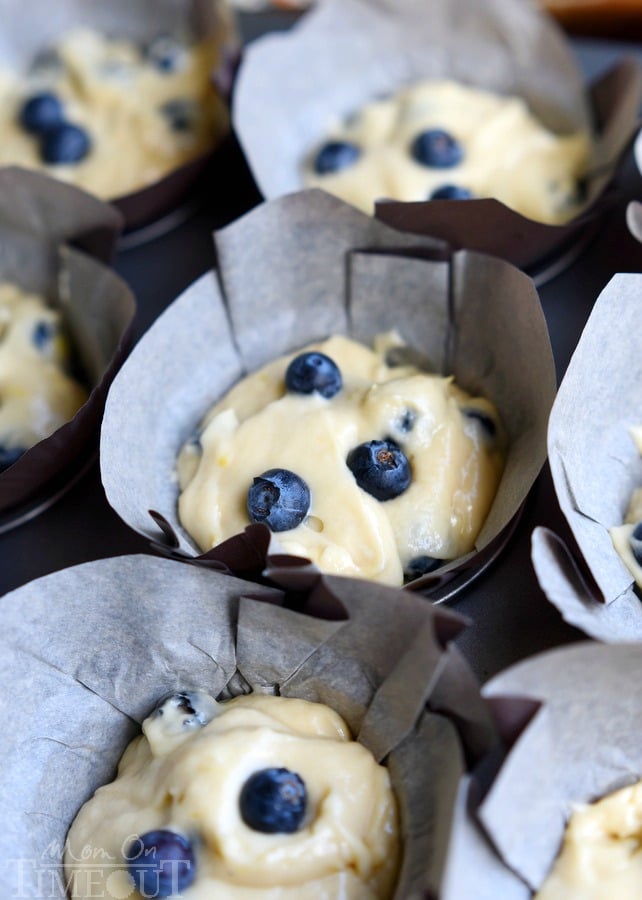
{"x":138,"y":871}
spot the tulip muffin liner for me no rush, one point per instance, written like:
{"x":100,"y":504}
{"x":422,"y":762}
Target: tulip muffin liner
{"x":42,"y":223}
{"x":595,"y":467}
{"x":583,"y":744}
{"x":23,"y":36}
{"x":91,"y":650}
{"x":316,"y":267}
{"x":353,"y":50}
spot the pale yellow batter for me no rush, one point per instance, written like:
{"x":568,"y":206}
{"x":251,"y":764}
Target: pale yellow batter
{"x":455,"y":463}
{"x":508,"y":153}
{"x":621,"y":534}
{"x":601,"y":857}
{"x":114,"y":92}
{"x":186,"y":776}
{"x":37,"y":395}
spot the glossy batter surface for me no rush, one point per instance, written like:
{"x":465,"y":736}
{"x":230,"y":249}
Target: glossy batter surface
{"x":453,"y":442}
{"x":187,"y":776}
{"x":145,"y":112}
{"x":37,"y":395}
{"x":507,"y":153}
{"x":601,"y":856}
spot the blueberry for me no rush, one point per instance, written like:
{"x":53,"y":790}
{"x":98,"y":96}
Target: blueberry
{"x":407,"y":421}
{"x":451,"y":192}
{"x":160,"y":863}
{"x":437,"y":149}
{"x":335,"y":156}
{"x":311,"y":372}
{"x":40,"y":113}
{"x":273,"y":801}
{"x":488,"y":425}
{"x":9,"y":455}
{"x":380,"y":468}
{"x":42,"y":334}
{"x":636,"y":543}
{"x":279,"y":498}
{"x":65,"y":143}
{"x":194,"y":708}
{"x":421,"y":565}
{"x":194,"y":442}
{"x":181,"y":114}
{"x":166,"y":53}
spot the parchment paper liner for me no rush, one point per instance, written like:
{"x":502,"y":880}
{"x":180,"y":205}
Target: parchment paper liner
{"x":348,"y":51}
{"x":25,"y":34}
{"x":583,"y":744}
{"x":88,"y":651}
{"x":40,"y":220}
{"x":595,"y":468}
{"x":298,"y":269}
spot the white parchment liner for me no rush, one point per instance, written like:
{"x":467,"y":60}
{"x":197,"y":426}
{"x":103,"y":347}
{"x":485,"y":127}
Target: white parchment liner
{"x":298,"y":269}
{"x":42,"y":221}
{"x":86,"y":653}
{"x":26,"y":30}
{"x":596,"y":466}
{"x":583,"y":744}
{"x":291,"y":87}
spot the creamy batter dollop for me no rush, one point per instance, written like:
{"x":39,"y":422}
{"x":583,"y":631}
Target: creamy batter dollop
{"x":601,"y":856}
{"x":627,"y":538}
{"x":503,"y":151}
{"x":192,"y":773}
{"x":141,"y":111}
{"x":453,"y":444}
{"x":37,"y":394}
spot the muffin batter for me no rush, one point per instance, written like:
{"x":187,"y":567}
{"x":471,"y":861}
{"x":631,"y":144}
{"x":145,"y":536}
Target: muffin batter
{"x":502,"y":151}
{"x":600,"y":857}
{"x":626,"y":540}
{"x":452,"y":443}
{"x":135,"y":113}
{"x":193,"y":773}
{"x":37,"y":395}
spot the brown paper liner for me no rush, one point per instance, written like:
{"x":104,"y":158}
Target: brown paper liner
{"x":504,"y":844}
{"x":596,"y":467}
{"x":319,"y":267}
{"x":352,"y":51}
{"x":37,"y":215}
{"x":23,"y":36}
{"x":386,"y":666}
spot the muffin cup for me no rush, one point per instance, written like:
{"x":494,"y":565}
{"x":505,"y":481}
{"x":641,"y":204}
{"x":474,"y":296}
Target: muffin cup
{"x":352,"y":52}
{"x":42,"y":222}
{"x":316,"y":267}
{"x":595,"y":467}
{"x":505,"y":845}
{"x":377,"y":656}
{"x":23,"y":36}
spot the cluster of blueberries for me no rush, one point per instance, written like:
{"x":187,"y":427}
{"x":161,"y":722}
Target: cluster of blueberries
{"x":280,"y":499}
{"x":62,"y":142}
{"x":434,"y":148}
{"x":162,"y":863}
